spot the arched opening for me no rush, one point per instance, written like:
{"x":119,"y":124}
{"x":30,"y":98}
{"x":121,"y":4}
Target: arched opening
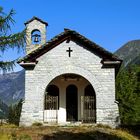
{"x":89,"y":105}
{"x":75,"y":99}
{"x":36,"y":36}
{"x":52,"y":98}
{"x":71,"y":103}
{"x":89,"y":91}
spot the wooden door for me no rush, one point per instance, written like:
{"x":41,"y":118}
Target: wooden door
{"x":71,"y":103}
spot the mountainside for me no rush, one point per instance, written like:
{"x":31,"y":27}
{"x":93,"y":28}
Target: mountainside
{"x":3,"y":110}
{"x":12,"y":87}
{"x":129,"y":53}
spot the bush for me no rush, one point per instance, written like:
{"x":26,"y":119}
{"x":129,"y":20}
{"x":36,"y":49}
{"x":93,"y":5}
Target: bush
{"x":13,"y":136}
{"x":14,"y":113}
{"x":37,"y":124}
{"x":25,"y":137}
{"x":103,"y":126}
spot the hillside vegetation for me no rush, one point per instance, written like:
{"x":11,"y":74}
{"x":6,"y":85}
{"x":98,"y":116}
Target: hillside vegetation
{"x":3,"y":110}
{"x":128,"y":95}
{"x":65,"y":133}
{"x":128,"y":83}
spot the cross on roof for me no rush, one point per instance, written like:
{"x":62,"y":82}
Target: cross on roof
{"x":69,"y":51}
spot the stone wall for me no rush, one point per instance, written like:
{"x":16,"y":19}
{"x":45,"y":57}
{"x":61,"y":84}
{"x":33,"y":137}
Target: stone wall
{"x":35,"y":24}
{"x":82,"y":62}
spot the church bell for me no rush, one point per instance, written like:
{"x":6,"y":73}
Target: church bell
{"x":36,"y":38}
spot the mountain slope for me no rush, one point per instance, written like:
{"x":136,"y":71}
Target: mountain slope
{"x":12,"y":87}
{"x":129,"y":53}
{"x":3,"y":110}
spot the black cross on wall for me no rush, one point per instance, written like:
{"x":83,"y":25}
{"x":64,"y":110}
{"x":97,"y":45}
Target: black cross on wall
{"x":69,"y":51}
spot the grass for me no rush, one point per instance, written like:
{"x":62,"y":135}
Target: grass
{"x":37,"y":124}
{"x":13,"y":136}
{"x":3,"y":136}
{"x":98,"y":132}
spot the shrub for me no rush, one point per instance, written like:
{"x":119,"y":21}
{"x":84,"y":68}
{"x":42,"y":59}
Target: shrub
{"x":14,"y":113}
{"x":24,"y":137}
{"x":13,"y":136}
{"x":37,"y":124}
{"x":103,"y":126}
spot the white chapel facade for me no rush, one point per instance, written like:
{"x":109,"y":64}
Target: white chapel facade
{"x":68,"y":79}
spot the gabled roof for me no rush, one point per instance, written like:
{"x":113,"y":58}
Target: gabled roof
{"x":69,"y":35}
{"x":36,"y":18}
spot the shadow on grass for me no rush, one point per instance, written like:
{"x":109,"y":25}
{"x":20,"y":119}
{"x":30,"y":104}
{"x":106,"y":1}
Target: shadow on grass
{"x":81,"y":136}
{"x":134,"y":129}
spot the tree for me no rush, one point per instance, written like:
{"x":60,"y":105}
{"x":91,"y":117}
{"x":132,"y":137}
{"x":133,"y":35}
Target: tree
{"x":128,"y":95}
{"x":14,"y":113}
{"x":9,"y":40}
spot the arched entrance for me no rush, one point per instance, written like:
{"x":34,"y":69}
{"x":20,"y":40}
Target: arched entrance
{"x":52,"y":97}
{"x":71,"y":103}
{"x":89,"y":105}
{"x":51,"y":104}
{"x":76,"y":97}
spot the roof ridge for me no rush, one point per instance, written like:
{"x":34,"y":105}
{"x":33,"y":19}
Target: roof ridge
{"x":35,"y":18}
{"x":69,"y":33}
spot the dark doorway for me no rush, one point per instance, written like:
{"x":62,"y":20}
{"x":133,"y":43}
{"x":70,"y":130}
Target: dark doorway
{"x":89,"y":105}
{"x":52,"y":98}
{"x":71,"y":103}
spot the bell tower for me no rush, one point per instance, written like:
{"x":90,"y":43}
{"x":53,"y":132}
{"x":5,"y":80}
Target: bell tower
{"x":35,"y":33}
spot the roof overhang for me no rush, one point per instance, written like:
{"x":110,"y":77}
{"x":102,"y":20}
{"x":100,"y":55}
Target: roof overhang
{"x":112,"y":64}
{"x":108,"y":59}
{"x":26,"y":65}
{"x":104,"y":62}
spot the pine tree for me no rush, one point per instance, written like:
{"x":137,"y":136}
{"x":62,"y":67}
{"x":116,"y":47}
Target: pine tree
{"x":14,"y":113}
{"x":128,"y":95}
{"x":9,"y":40}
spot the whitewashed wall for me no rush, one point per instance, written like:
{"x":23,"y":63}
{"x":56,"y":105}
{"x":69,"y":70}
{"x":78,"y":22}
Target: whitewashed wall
{"x":82,"y":62}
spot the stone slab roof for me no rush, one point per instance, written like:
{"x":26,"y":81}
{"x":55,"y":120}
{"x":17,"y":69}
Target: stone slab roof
{"x":36,"y":18}
{"x":69,"y":35}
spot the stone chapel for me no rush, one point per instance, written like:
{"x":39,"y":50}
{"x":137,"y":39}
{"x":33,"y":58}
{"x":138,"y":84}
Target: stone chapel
{"x":68,"y":79}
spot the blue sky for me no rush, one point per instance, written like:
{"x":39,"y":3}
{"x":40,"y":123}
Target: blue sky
{"x":109,"y":23}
